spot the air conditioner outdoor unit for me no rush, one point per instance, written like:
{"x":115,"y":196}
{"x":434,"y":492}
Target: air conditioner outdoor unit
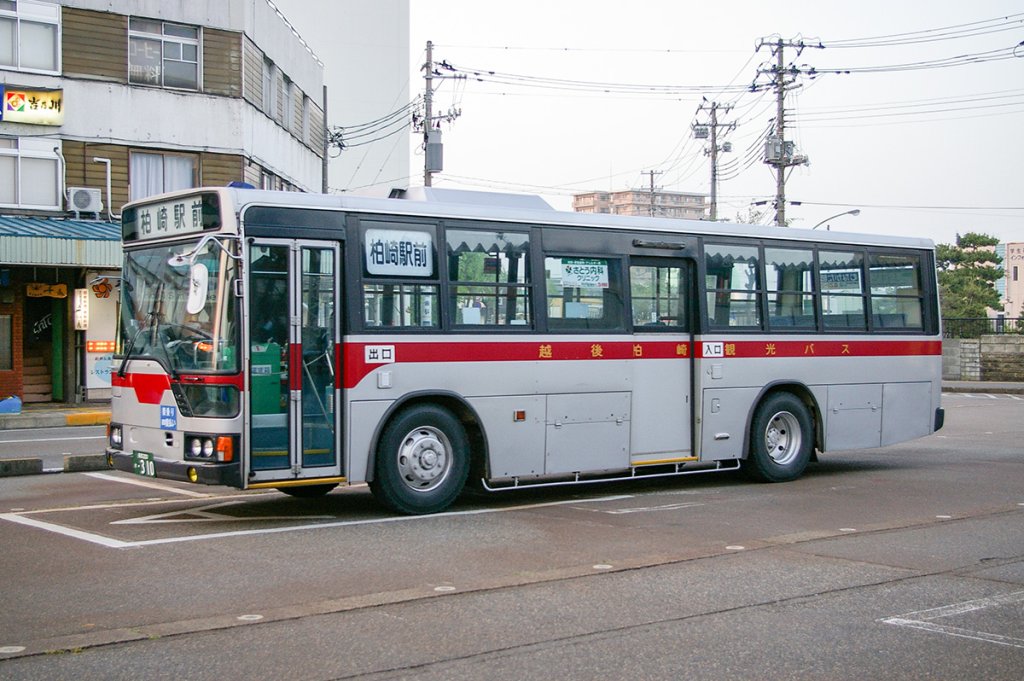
{"x":85,"y":200}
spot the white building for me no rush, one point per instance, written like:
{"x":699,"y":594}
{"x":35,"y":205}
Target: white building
{"x":109,"y":100}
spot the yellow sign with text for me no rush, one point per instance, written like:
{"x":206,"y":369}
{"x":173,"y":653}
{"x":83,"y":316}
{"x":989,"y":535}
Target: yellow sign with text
{"x":37,"y":107}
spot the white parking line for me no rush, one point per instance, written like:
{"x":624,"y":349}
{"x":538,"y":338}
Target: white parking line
{"x":146,"y":483}
{"x":924,"y":619}
{"x":118,"y":544}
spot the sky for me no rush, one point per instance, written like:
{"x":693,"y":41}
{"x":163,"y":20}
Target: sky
{"x":564,"y":96}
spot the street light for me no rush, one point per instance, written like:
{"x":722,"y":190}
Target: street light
{"x":855,"y":211}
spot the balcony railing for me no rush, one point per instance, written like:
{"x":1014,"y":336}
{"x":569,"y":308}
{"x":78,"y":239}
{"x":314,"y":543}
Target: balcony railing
{"x":973,"y":327}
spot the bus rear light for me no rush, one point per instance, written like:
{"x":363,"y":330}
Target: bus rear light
{"x":225,"y":448}
{"x":115,"y":436}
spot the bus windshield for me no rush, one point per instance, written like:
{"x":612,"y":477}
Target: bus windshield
{"x":182,"y":315}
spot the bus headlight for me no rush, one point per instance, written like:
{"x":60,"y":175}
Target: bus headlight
{"x":219,"y":448}
{"x":199,"y":447}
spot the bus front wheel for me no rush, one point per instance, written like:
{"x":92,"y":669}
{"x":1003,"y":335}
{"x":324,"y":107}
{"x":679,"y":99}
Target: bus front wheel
{"x":422,"y":461}
{"x":781,"y":439}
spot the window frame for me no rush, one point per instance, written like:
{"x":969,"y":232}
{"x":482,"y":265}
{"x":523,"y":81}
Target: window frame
{"x":164,"y":39}
{"x":813,"y":292}
{"x":18,"y":153}
{"x":874,"y":317}
{"x":758,"y":291}
{"x":524,"y":289}
{"x":364,"y":223}
{"x":684,"y":296}
{"x":616,"y":289}
{"x":196,"y":169}
{"x":45,"y":13}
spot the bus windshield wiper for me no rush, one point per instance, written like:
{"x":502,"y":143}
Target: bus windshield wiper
{"x":128,"y":351}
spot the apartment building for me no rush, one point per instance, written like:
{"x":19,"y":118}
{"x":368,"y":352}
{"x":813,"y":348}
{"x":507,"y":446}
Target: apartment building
{"x":105,"y":101}
{"x":642,"y":202}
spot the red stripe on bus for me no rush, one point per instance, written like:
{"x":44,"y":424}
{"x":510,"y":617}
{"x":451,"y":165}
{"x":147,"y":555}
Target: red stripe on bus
{"x":816,"y":348}
{"x":362,"y":358}
{"x":337,"y":363}
{"x":294,"y":364}
{"x":150,"y":388}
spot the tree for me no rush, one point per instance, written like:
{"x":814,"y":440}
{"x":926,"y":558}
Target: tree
{"x":967,"y":275}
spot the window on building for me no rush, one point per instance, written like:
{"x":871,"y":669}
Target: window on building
{"x":490,"y":277}
{"x":288,"y":90}
{"x":1015,"y":273}
{"x":6,"y":343}
{"x":306,"y":113}
{"x":29,"y":173}
{"x":153,"y":173}
{"x":269,"y":88}
{"x":30,"y":35}
{"x":163,"y":54}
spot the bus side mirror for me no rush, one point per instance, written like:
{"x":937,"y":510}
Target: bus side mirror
{"x":198,"y":286}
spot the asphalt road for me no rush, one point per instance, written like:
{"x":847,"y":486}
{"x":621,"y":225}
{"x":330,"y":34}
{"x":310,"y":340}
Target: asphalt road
{"x":52,"y":444}
{"x":900,"y":563}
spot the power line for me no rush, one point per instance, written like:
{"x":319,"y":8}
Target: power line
{"x":955,"y":31}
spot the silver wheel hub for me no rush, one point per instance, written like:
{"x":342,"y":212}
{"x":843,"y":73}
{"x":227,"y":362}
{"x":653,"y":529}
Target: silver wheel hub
{"x":424,"y":459}
{"x":782,"y":439}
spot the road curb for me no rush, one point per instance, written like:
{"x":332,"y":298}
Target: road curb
{"x":81,"y":463}
{"x":12,"y":467}
{"x":88,"y":418}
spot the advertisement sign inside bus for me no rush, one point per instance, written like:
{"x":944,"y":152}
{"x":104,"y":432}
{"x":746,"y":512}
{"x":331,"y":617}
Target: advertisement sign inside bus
{"x":185,"y":215}
{"x":584,"y":273}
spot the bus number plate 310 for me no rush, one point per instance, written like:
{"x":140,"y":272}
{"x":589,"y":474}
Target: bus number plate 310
{"x":143,"y":464}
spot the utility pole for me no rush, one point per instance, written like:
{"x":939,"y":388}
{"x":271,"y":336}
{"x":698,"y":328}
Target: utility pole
{"x":652,"y":173}
{"x":779,"y":153}
{"x":704,"y":131}
{"x":433,"y":157}
{"x":428,"y":121}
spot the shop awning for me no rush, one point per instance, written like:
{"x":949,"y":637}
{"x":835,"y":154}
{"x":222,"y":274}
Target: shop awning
{"x":59,"y":242}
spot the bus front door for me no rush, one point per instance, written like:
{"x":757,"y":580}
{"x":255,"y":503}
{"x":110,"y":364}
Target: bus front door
{"x":292,"y":412}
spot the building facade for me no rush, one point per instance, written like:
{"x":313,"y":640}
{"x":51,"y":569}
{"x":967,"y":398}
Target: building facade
{"x":106,"y":101}
{"x":1011,"y":286}
{"x":643,"y":202}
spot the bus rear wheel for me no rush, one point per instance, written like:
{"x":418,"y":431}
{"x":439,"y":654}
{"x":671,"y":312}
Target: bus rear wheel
{"x":781,"y":439}
{"x":422,"y":461}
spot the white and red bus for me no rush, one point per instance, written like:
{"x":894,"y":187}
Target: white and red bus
{"x":299,"y":342}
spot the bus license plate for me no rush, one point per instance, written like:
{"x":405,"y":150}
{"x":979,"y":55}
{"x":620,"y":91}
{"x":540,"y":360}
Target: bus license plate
{"x":143,"y":464}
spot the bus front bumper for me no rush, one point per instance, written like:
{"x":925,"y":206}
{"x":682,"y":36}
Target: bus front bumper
{"x":228,"y":474}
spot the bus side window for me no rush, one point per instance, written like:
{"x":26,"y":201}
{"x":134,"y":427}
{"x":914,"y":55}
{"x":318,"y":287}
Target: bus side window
{"x":841,"y":278}
{"x":490,"y":276}
{"x":733,"y":286}
{"x":897,"y":298}
{"x":584,"y":293}
{"x":657,"y":295}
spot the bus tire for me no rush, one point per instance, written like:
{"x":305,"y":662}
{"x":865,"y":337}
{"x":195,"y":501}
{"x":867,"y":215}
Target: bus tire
{"x":308,"y":491}
{"x":781,"y":439}
{"x":422,"y":461}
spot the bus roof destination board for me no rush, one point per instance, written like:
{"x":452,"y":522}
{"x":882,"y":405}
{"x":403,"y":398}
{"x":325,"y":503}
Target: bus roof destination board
{"x":184,"y":215}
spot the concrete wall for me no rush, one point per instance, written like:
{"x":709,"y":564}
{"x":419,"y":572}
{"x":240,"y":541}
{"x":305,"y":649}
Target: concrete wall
{"x":989,"y":358}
